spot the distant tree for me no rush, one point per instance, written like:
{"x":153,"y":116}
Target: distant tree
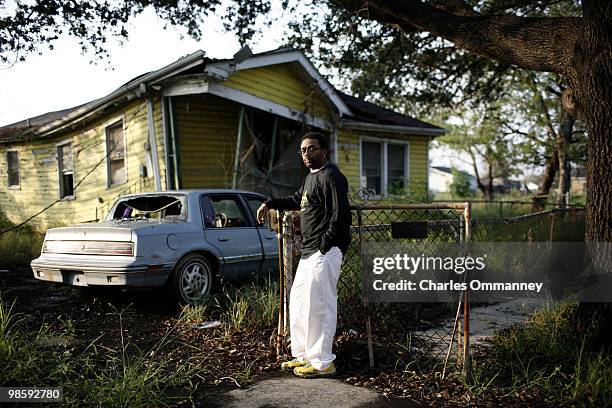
{"x":461,"y":185}
{"x":480,"y":136}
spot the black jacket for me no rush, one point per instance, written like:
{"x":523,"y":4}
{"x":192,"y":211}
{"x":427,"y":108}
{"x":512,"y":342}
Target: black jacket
{"x":325,"y":211}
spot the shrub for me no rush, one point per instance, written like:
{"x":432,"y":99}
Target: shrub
{"x":546,"y":358}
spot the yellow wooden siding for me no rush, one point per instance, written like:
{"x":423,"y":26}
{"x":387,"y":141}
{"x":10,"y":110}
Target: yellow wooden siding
{"x":419,"y":166}
{"x":280,"y":84}
{"x":206,"y":128}
{"x":39,"y":180}
{"x":348,"y":158}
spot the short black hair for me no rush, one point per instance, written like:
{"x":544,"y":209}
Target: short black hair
{"x":317,"y":136}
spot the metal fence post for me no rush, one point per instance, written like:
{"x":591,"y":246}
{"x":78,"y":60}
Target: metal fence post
{"x":467,"y":369}
{"x":368,"y":322}
{"x":280,"y":337}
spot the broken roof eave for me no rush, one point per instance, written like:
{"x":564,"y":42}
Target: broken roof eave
{"x":285,"y":57}
{"x":151,"y":78}
{"x":202,"y":84}
{"x":356,"y":125}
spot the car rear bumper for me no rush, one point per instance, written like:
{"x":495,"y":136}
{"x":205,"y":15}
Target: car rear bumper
{"x":102,"y":275}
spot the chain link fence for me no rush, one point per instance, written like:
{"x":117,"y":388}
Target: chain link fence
{"x":554,"y":225}
{"x":416,"y":228}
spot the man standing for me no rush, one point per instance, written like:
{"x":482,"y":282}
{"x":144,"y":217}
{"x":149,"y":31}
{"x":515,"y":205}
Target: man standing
{"x":325,"y":222}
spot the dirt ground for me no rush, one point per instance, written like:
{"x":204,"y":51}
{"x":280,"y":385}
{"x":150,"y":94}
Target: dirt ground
{"x":230,"y":362}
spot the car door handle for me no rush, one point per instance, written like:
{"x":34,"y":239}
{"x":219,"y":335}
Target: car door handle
{"x":223,"y":239}
{"x":270,"y":237}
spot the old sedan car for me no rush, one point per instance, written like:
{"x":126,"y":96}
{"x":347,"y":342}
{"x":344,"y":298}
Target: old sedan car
{"x":184,"y":239}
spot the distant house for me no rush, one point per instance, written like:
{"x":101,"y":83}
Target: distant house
{"x":201,"y":122}
{"x":441,"y":177}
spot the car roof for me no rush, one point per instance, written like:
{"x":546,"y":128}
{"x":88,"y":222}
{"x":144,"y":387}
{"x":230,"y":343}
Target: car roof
{"x":193,"y":191}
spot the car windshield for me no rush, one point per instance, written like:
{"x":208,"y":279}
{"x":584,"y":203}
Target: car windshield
{"x":151,"y":207}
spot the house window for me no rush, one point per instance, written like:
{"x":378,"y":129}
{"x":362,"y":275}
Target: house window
{"x":115,"y":146}
{"x":396,"y":168}
{"x":12,"y":161}
{"x":384,"y":166}
{"x":65,"y":164}
{"x":371,"y":169}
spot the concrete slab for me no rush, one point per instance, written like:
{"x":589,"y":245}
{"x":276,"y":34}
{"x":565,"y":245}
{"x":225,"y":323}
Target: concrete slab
{"x":486,"y":320}
{"x":288,"y":391}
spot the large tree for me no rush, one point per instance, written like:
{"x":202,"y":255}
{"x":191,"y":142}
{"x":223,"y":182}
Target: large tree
{"x":423,"y":75}
{"x":577,"y":48}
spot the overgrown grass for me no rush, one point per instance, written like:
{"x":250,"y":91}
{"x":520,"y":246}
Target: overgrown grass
{"x":20,"y":246}
{"x":557,"y":228}
{"x":546,"y":358}
{"x":94,"y":375}
{"x":252,"y":305}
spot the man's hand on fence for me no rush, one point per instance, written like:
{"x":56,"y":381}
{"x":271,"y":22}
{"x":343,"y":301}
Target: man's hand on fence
{"x":261,"y":213}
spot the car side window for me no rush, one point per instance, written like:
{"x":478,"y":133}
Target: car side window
{"x":254,"y":203}
{"x":227,"y":212}
{"x":207,"y":212}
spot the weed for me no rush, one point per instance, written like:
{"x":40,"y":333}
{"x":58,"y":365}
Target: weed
{"x":20,"y":246}
{"x":546,"y":358}
{"x":237,"y":312}
{"x":95,"y":376}
{"x":245,"y":375}
{"x":193,"y":314}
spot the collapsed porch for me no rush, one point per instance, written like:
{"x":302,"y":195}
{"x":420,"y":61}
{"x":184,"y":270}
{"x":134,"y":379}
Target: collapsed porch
{"x":234,"y":142}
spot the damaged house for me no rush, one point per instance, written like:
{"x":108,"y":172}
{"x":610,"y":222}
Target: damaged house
{"x":204,"y":123}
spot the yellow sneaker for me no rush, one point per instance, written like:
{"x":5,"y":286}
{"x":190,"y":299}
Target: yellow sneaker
{"x":308,"y":371}
{"x":288,"y":366}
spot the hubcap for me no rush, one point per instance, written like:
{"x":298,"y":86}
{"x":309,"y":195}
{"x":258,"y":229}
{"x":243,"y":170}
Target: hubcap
{"x":195,"y":281}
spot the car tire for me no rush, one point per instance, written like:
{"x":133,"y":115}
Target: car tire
{"x":192,"y":279}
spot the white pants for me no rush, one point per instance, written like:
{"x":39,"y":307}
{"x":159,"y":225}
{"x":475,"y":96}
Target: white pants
{"x":313,"y":304}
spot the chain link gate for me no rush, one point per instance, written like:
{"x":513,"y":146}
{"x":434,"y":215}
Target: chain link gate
{"x":439,"y":225}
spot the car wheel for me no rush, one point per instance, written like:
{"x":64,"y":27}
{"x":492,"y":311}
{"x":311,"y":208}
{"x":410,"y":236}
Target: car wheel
{"x":193,"y":279}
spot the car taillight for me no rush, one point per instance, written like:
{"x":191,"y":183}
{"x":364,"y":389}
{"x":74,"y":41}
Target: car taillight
{"x":89,"y":248}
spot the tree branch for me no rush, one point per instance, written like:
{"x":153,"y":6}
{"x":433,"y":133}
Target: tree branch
{"x":543,"y":107}
{"x":538,"y":43}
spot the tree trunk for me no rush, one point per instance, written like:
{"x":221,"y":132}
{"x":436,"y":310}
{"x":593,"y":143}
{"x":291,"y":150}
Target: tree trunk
{"x":593,"y":93}
{"x":489,"y":190}
{"x":550,"y":171}
{"x":564,"y":136}
{"x":594,"y":99}
{"x":481,"y":186}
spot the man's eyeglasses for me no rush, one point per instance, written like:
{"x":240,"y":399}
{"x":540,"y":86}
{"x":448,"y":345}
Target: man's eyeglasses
{"x":309,"y":150}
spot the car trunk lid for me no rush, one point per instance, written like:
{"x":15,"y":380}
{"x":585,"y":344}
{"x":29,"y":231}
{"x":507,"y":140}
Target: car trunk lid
{"x":91,"y":232}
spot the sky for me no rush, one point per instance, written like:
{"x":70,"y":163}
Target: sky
{"x":64,"y":77}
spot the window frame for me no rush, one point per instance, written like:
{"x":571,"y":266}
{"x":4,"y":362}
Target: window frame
{"x":60,"y":169}
{"x":8,"y":170}
{"x":384,"y":142}
{"x":245,"y":212}
{"x":107,"y":126}
{"x":362,"y":177}
{"x":245,"y":202}
{"x":404,"y":144}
